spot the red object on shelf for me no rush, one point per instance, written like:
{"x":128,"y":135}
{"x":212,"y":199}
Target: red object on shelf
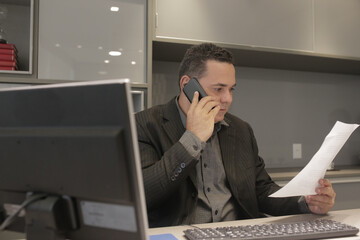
{"x":7,"y":46}
{"x":7,"y":68}
{"x":8,"y":63}
{"x":7,"y":51}
{"x":7,"y":57}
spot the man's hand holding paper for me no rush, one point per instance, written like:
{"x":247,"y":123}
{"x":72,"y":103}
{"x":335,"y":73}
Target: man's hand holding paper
{"x":324,"y":199}
{"x":309,"y":182}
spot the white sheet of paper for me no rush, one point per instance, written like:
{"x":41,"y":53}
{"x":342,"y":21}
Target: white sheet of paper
{"x":305,"y":182}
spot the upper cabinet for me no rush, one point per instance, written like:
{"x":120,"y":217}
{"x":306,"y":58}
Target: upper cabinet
{"x":92,"y":39}
{"x":280,"y":24}
{"x":309,"y":35}
{"x":337,"y":27}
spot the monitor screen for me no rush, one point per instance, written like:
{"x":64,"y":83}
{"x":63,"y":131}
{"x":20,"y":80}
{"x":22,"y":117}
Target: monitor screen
{"x":69,"y":155}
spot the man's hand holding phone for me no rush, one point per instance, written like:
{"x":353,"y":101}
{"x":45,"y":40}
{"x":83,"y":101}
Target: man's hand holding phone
{"x":201,"y":115}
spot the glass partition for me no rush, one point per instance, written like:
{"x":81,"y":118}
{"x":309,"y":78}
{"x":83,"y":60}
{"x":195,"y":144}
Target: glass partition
{"x":92,"y":39}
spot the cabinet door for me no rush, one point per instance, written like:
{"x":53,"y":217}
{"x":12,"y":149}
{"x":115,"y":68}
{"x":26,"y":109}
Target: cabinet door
{"x":76,"y":37}
{"x":284,"y":24}
{"x":337,"y":27}
{"x":16,"y":36}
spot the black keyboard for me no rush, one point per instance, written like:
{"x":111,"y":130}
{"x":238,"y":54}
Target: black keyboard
{"x":315,"y":229}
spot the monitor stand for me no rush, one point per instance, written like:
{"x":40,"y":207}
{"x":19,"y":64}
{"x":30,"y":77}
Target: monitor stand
{"x":50,"y":218}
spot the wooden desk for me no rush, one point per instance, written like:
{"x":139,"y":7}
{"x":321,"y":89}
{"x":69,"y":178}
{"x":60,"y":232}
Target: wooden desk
{"x":351,"y":217}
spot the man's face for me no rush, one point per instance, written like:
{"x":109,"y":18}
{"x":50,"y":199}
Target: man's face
{"x":219,"y":81}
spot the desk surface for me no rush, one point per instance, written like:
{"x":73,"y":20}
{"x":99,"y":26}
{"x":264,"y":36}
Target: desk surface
{"x":351,"y":217}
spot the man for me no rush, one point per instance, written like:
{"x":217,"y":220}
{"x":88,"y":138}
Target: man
{"x":200,"y":164}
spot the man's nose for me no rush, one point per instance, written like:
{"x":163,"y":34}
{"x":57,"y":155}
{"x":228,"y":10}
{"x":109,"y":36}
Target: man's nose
{"x":226,"y":96}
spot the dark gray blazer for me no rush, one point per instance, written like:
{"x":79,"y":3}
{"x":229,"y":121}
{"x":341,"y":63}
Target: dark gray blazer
{"x":169,"y":171}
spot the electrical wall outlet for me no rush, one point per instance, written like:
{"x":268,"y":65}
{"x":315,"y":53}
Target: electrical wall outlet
{"x":297,"y":151}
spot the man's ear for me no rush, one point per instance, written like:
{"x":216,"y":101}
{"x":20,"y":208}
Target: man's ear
{"x":183,"y":81}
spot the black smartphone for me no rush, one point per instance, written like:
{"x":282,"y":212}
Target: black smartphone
{"x":192,"y":86}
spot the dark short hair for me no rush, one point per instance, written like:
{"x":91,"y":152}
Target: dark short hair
{"x":195,"y":58}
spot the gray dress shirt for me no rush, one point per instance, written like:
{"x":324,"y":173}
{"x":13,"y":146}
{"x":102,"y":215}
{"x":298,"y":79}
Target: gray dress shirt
{"x":215,"y":202}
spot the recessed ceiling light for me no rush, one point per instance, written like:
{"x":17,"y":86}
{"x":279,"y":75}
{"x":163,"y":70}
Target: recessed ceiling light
{"x":114,"y":53}
{"x":57,"y":45}
{"x":79,"y":46}
{"x":133,"y":62}
{"x":106,"y":61}
{"x":100,"y":47}
{"x":102,"y":72}
{"x":114,"y":9}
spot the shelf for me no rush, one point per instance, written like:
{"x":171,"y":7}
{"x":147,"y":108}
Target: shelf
{"x":247,"y":56}
{"x":340,"y":172}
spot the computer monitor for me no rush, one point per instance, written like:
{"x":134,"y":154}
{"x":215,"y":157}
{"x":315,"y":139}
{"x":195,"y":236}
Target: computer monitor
{"x":70,"y":152}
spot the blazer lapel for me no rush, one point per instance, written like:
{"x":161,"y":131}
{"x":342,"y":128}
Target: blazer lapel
{"x":172,"y":122}
{"x":227,"y":140}
{"x":234,"y":165}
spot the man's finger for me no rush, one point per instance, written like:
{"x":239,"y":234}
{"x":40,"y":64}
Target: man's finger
{"x":195,"y":100}
{"x":325,"y":191}
{"x":195,"y":97}
{"x":215,"y":111}
{"x":325,"y":182}
{"x":319,"y":199}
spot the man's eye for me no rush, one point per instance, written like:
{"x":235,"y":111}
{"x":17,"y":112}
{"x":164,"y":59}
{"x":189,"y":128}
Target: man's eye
{"x":218,"y":89}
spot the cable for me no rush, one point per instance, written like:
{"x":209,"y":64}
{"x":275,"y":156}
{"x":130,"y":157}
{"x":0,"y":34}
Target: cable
{"x":10,"y":219}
